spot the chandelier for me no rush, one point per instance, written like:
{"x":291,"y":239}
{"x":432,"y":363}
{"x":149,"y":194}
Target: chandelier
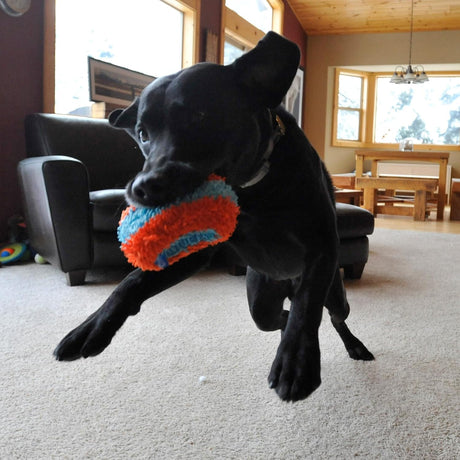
{"x":411,"y":73}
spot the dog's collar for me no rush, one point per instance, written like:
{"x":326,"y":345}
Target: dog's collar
{"x":279,"y":132}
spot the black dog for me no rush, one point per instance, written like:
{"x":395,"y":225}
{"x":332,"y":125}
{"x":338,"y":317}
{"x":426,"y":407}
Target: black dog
{"x":227,"y":120}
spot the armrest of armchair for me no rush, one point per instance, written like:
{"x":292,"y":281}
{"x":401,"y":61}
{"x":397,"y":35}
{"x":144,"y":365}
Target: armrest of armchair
{"x":55,"y":194}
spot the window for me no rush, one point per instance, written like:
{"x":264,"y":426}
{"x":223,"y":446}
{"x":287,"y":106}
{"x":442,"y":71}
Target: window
{"x":246,"y":22}
{"x":233,"y":49}
{"x":111,"y":31}
{"x":429,"y":114}
{"x":259,"y":12}
{"x":348,"y":122}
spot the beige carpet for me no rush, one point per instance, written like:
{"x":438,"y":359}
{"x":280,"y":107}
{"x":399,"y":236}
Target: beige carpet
{"x":143,"y":398}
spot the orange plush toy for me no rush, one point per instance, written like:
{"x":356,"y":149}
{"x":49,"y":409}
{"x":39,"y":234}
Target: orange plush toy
{"x":154,"y":238}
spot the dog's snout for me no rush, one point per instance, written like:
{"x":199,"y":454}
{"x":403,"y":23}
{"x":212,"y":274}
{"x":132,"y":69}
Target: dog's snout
{"x":147,"y":191}
{"x":159,"y":187}
{"x":142,"y":188}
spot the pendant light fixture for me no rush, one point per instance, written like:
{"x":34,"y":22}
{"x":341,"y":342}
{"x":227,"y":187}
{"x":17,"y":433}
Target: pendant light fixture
{"x":411,"y":73}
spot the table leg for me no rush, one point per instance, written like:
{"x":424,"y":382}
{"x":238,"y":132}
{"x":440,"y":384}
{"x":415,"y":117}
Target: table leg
{"x":442,"y":189}
{"x":374,"y":168}
{"x":369,"y":199}
{"x":420,"y":205}
{"x":359,"y":165}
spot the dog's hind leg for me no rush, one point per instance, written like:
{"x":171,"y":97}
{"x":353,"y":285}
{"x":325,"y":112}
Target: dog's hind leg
{"x":355,"y":348}
{"x":336,"y":301}
{"x":338,"y":308}
{"x":266,"y":298}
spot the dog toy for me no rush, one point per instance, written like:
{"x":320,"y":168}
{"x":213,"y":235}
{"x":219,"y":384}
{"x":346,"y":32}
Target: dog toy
{"x":14,"y":252}
{"x":154,"y":238}
{"x":39,"y":259}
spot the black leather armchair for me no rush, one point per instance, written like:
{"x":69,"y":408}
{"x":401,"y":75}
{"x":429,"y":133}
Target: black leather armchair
{"x":353,"y":224}
{"x":73,"y":190}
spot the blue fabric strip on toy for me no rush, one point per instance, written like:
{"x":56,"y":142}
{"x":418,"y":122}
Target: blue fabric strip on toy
{"x":212,"y":188}
{"x":183,"y":243}
{"x":134,"y":221}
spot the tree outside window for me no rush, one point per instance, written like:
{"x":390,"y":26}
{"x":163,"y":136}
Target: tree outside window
{"x":428,"y":113}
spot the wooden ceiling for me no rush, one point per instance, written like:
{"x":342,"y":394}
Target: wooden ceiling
{"x":325,"y":17}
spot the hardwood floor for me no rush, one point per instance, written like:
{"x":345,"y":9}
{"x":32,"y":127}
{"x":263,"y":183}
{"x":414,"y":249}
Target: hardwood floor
{"x":429,"y":225}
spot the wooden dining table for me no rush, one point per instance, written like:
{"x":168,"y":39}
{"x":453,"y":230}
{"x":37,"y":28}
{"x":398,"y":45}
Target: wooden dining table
{"x":408,"y":156}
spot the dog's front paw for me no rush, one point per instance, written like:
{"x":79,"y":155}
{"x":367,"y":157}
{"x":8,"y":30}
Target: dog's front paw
{"x":295,"y":372}
{"x":88,"y":339}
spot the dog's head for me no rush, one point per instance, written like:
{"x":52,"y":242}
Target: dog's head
{"x":207,"y":119}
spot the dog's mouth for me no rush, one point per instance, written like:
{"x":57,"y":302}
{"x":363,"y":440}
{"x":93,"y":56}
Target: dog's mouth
{"x":150,"y":191}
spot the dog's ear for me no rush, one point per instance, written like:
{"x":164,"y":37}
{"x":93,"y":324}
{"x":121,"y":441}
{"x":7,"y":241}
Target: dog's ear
{"x":125,"y":118}
{"x":268,"y":70}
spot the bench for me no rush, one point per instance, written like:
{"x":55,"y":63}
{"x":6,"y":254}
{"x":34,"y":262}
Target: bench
{"x":378,"y":156}
{"x":389,"y":204}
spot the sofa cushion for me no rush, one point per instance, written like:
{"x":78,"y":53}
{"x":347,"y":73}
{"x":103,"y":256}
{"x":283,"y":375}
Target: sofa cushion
{"x":107,"y":206}
{"x":353,"y":221}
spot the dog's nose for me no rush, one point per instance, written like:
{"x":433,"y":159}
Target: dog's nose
{"x":152,"y":189}
{"x":147,"y":191}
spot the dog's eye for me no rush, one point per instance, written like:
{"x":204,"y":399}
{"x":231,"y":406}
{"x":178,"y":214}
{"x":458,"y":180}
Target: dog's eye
{"x":143,"y":136}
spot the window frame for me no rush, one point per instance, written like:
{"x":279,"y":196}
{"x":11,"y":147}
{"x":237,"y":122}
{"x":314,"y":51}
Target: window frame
{"x":245,"y":33}
{"x":190,"y":40}
{"x":367,"y":122}
{"x":362,"y":110}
